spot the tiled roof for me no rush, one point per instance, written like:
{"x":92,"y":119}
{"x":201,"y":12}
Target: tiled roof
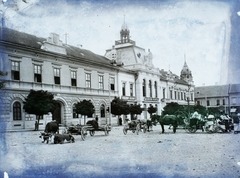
{"x":211,"y":91}
{"x":16,"y":37}
{"x":234,"y":88}
{"x":175,"y":78}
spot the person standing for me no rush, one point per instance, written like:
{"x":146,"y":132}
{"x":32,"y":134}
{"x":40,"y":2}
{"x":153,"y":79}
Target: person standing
{"x":235,"y":122}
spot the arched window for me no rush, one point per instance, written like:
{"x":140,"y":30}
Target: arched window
{"x":150,"y":88}
{"x":17,"y":114}
{"x":144,"y":87}
{"x":155,"y":87}
{"x":102,"y":110}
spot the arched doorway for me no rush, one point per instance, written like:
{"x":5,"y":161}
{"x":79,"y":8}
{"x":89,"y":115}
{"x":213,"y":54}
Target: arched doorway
{"x":57,"y":113}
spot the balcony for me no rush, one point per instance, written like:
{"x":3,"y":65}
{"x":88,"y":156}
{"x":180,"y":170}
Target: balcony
{"x":26,"y":86}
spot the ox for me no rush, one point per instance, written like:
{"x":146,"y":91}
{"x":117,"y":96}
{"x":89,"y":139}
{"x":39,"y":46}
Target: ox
{"x":60,"y":138}
{"x":52,"y":127}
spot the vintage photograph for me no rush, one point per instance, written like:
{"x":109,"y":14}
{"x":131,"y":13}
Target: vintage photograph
{"x":110,"y":88}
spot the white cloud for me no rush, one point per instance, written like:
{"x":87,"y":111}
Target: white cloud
{"x":169,"y":30}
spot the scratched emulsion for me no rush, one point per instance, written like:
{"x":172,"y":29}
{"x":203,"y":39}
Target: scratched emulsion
{"x":207,"y":33}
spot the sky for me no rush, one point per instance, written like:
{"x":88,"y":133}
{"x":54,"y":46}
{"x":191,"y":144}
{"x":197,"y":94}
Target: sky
{"x":198,"y":32}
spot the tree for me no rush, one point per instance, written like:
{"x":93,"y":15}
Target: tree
{"x":152,"y":110}
{"x":135,"y":109}
{"x":85,"y":108}
{"x":39,"y":103}
{"x":119,"y":107}
{"x":171,"y":108}
{"x":2,"y":81}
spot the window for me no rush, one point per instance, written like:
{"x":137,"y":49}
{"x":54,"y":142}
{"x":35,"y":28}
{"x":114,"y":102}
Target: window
{"x":191,"y":96}
{"x":88,"y":80}
{"x":75,"y":115}
{"x":74,"y":78}
{"x":198,"y":103}
{"x":223,"y":101}
{"x":17,"y":111}
{"x":163,"y":92}
{"x":100,"y":82}
{"x":179,"y":95}
{"x":15,"y":70}
{"x":155,"y":87}
{"x":218,"y":102}
{"x":112,"y":83}
{"x":144,"y":87}
{"x":123,"y":89}
{"x":150,"y":88}
{"x":234,"y":100}
{"x":208,"y":103}
{"x":171,"y":94}
{"x":102,"y":109}
{"x":37,"y":73}
{"x":175,"y":94}
{"x":131,"y":89}
{"x":56,"y":76}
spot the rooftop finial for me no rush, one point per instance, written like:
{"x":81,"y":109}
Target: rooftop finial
{"x":184,"y":58}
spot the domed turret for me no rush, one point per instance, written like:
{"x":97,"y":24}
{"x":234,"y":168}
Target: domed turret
{"x":124,"y":33}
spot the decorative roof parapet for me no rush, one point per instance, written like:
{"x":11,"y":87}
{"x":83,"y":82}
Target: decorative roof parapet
{"x":54,"y":44}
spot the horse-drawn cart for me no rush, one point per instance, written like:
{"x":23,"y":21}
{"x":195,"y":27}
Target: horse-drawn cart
{"x":91,"y":126}
{"x":135,"y":126}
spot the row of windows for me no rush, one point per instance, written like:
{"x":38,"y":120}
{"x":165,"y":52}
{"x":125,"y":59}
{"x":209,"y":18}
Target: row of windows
{"x":180,"y":95}
{"x":17,"y":112}
{"x":144,"y":87}
{"x":217,"y":103}
{"x":57,"y":76}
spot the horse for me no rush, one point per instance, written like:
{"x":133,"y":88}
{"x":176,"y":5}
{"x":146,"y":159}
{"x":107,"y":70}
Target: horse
{"x":166,"y":120}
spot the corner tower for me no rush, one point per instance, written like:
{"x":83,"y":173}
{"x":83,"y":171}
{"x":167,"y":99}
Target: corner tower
{"x":186,"y":73}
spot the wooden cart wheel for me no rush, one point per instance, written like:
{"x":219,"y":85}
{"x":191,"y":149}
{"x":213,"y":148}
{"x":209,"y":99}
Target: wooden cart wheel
{"x":83,"y":134}
{"x":92,"y":132}
{"x":192,"y":129}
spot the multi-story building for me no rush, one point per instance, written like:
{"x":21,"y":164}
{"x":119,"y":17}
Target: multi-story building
{"x":70,"y":73}
{"x":224,"y":97}
{"x":153,"y":86}
{"x":73,"y":74}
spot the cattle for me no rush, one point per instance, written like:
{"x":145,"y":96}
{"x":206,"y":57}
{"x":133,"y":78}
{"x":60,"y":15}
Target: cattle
{"x":52,"y":127}
{"x":45,"y":137}
{"x":60,"y":138}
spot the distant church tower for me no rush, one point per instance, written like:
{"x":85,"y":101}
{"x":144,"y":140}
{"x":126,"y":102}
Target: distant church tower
{"x":186,"y":74}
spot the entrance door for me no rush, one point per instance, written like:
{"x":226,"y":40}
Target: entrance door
{"x":57,"y":113}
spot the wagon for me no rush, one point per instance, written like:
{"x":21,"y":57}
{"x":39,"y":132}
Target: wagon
{"x":135,"y":126}
{"x":83,"y":129}
{"x":105,"y":128}
{"x":194,"y":124}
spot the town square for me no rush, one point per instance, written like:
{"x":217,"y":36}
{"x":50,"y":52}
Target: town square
{"x":119,"y":88}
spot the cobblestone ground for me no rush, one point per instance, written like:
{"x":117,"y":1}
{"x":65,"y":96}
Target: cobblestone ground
{"x":150,"y":154}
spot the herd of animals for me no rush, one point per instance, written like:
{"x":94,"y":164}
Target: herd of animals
{"x":51,"y":132}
